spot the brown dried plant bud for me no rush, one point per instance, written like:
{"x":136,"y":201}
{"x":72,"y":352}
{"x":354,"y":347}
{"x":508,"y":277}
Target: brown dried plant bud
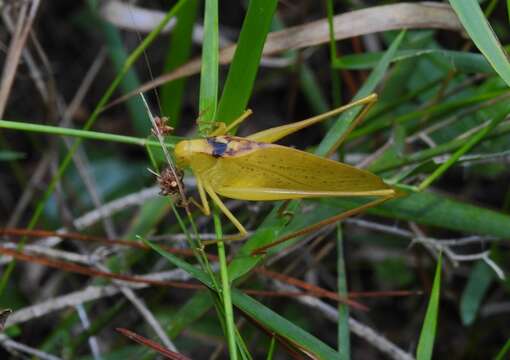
{"x":162,"y":126}
{"x":169,"y":181}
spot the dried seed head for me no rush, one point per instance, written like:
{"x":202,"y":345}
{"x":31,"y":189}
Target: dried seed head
{"x":162,"y":126}
{"x":168,"y":182}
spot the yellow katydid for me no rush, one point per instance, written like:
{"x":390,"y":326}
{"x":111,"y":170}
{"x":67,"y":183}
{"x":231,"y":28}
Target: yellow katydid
{"x":253,"y":168}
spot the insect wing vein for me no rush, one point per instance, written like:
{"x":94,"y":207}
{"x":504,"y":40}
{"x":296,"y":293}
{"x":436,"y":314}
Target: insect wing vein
{"x":281,"y":170}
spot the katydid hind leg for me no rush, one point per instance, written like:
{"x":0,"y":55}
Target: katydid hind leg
{"x":321,"y":224}
{"x":359,"y":118}
{"x":276,"y":133}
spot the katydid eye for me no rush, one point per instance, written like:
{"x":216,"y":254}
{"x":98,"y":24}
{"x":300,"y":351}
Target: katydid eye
{"x":219,"y":148}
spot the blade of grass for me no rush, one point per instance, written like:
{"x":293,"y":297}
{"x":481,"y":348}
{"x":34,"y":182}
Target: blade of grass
{"x":480,"y":31}
{"x":192,"y":310}
{"x":257,"y":311}
{"x":281,"y":326}
{"x":88,"y":124}
{"x":225,"y":285}
{"x":308,"y":82}
{"x":243,"y":69}
{"x":336,"y":94}
{"x":335,"y":134}
{"x":210,"y":66}
{"x":427,"y":154}
{"x":437,"y":210}
{"x":468,"y":145}
{"x":311,"y":90}
{"x":460,"y":61}
{"x":118,"y":57}
{"x":8,"y":155}
{"x":344,"y":343}
{"x":207,"y":105}
{"x":432,"y":112}
{"x":428,"y":331}
{"x":272,"y":346}
{"x":480,"y":278}
{"x":178,"y":54}
{"x":505,"y":349}
{"x":356,"y":23}
{"x":86,"y":134}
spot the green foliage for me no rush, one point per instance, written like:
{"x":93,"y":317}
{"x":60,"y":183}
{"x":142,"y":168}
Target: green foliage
{"x":480,"y":31}
{"x":476,"y":288}
{"x":441,"y":121}
{"x":244,"y":67}
{"x":395,"y":273}
{"x":428,"y":331}
{"x":179,"y":51}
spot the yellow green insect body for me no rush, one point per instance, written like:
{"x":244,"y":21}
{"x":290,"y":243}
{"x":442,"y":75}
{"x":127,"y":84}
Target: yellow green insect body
{"x":253,"y":168}
{"x":239,"y":168}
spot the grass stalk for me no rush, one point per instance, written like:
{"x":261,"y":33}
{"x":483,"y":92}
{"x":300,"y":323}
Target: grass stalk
{"x":225,"y":288}
{"x":83,"y":134}
{"x":344,"y":343}
{"x":89,"y":123}
{"x":468,"y":145}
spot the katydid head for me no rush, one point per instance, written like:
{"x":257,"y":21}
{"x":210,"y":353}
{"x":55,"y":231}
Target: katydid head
{"x":183,"y":153}
{"x":188,"y":151}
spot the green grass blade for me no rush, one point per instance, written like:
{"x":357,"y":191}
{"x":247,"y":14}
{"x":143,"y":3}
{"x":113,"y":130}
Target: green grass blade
{"x":178,"y":53}
{"x":190,"y":269}
{"x":225,"y":286}
{"x":344,"y":343}
{"x":428,"y":154}
{"x":256,"y":310}
{"x":342,"y":124}
{"x":428,"y":331}
{"x":311,"y":90}
{"x":480,"y":279}
{"x":8,"y":155}
{"x":85,"y":134}
{"x":244,"y":66}
{"x":88,"y":124}
{"x":130,"y":82}
{"x":504,"y":350}
{"x":336,"y":90}
{"x":438,"y":110}
{"x":469,"y":144}
{"x":195,"y":308}
{"x":207,"y":105}
{"x":210,"y":68}
{"x":460,"y":61}
{"x":272,"y":347}
{"x":281,"y":326}
{"x":436,"y":210}
{"x":480,"y":31}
